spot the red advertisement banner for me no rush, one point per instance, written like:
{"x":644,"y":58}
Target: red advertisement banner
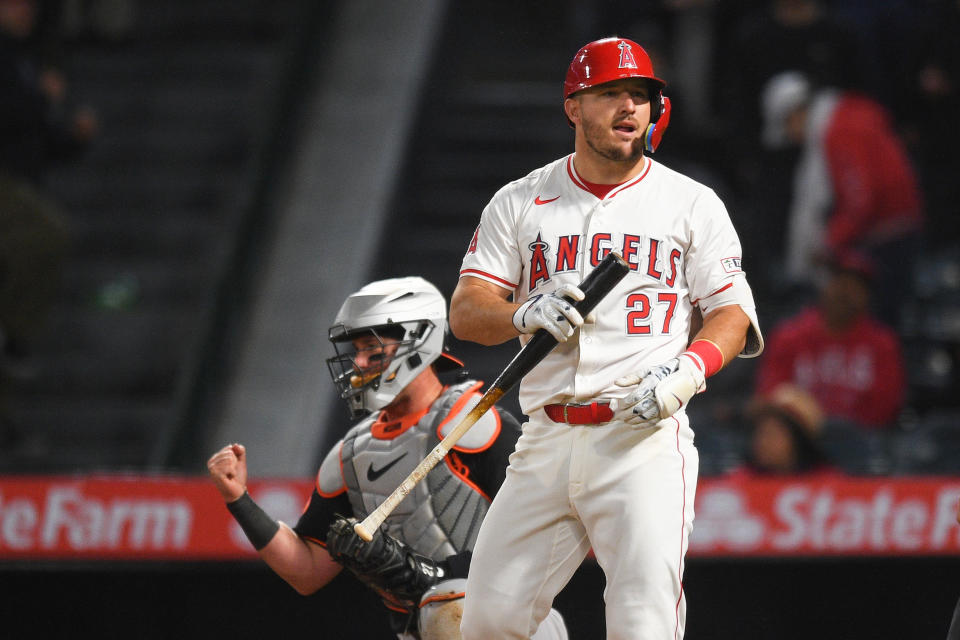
{"x":120,"y":517}
{"x":130,"y":518}
{"x":830,"y":515}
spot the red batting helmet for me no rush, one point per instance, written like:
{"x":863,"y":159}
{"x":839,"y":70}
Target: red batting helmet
{"x":612,"y":59}
{"x":607,"y":60}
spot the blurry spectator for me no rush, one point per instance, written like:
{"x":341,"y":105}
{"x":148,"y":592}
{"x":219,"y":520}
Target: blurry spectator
{"x":838,"y":351}
{"x":39,"y":123}
{"x":39,"y":126}
{"x":756,"y":41}
{"x":854,"y":187}
{"x":785,"y":428}
{"x":929,"y":105}
{"x":785,"y":34}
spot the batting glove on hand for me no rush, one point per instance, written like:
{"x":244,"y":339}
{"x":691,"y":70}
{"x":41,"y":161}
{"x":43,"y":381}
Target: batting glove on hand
{"x":660,"y":392}
{"x":553,"y":312}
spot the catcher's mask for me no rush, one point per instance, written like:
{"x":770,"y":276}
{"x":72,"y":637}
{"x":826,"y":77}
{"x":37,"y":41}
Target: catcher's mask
{"x":611,"y":59}
{"x":385,"y":335}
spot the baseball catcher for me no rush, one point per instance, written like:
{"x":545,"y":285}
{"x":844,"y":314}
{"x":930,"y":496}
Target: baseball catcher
{"x":389,"y":358}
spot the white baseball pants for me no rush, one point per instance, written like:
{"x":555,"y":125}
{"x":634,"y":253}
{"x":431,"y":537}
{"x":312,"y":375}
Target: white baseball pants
{"x":627,"y":493}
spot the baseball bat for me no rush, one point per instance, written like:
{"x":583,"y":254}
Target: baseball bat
{"x":595,"y":286}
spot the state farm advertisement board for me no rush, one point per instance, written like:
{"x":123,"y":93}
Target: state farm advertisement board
{"x":130,"y":518}
{"x":831,"y":515}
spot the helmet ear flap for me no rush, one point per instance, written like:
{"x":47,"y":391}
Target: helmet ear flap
{"x":659,"y":120}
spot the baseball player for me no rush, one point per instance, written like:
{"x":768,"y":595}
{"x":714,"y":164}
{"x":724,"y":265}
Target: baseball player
{"x":389,"y":342}
{"x":607,"y":458}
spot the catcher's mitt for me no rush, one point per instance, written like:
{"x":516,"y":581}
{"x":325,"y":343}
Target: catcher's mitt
{"x":387,"y":565}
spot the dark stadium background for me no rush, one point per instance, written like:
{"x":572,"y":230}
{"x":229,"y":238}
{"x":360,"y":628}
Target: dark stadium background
{"x":216,"y":128}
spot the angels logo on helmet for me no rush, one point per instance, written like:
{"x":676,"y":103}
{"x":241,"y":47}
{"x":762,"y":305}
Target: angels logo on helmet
{"x":610,"y":59}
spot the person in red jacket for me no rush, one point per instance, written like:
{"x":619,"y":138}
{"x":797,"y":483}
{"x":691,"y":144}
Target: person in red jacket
{"x":839,"y":352}
{"x":854,"y":187}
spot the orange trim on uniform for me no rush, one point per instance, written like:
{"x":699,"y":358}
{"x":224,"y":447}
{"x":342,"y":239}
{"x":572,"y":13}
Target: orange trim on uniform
{"x":452,"y":358}
{"x":455,"y":411}
{"x":459,"y":469}
{"x":484,"y":274}
{"x":315,"y":541}
{"x":388,"y":430}
{"x":496,"y":434}
{"x":457,"y":406}
{"x":342,"y":488}
{"x":721,"y":289}
{"x":443,"y":598}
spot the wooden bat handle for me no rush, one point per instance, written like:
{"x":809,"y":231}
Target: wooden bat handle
{"x":595,"y":286}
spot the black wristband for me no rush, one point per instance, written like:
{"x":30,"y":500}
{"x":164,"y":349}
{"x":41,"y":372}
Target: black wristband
{"x":256,"y":524}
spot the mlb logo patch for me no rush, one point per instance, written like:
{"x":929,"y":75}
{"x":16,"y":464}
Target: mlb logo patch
{"x":731,"y":265}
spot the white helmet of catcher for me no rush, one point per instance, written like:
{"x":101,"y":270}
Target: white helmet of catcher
{"x":410,"y":312}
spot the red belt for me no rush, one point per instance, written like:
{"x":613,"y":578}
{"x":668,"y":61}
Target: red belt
{"x":592,"y":413}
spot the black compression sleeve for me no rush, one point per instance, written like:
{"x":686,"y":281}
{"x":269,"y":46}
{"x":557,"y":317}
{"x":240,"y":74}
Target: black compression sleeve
{"x":256,"y":524}
{"x":320,"y":513}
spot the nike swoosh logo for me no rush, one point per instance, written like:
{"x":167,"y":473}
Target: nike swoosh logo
{"x":537,"y":200}
{"x":374,"y":474}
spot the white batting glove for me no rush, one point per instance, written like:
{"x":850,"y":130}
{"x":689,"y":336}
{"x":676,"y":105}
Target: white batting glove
{"x":553,"y":312}
{"x":661,"y":391}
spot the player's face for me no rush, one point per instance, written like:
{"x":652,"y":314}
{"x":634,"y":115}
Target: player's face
{"x":614,"y":118}
{"x":373,"y":354}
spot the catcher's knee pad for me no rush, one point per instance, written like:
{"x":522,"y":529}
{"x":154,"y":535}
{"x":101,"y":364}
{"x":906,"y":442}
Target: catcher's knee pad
{"x":441,"y":609}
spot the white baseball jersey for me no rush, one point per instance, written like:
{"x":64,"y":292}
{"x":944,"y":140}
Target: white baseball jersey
{"x":627,"y":493}
{"x":548,"y":229}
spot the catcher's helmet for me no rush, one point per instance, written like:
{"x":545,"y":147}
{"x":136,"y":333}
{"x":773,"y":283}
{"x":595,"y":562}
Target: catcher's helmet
{"x":410,"y":311}
{"x":612,"y":59}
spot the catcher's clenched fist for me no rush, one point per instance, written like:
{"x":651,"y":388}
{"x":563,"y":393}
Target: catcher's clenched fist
{"x":228,"y":468}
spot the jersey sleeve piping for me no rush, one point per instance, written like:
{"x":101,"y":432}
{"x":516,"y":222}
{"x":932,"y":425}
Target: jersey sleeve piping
{"x":483,"y":275}
{"x":720,"y":290}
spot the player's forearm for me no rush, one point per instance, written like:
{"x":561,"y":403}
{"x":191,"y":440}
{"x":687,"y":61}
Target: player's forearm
{"x":727,"y":328}
{"x":480,"y":313}
{"x":303,"y":565}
